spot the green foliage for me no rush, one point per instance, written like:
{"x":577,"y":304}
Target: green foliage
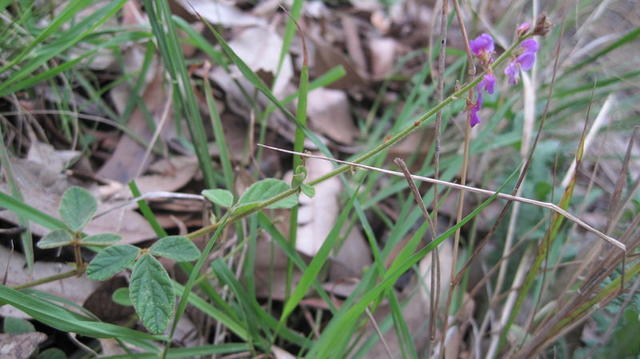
{"x":102,"y":239}
{"x":52,"y":353}
{"x":263,"y":191}
{"x":77,"y":207}
{"x":57,"y":238}
{"x":111,"y":261}
{"x":178,"y":248}
{"x":13,"y":325}
{"x":122,"y":297}
{"x":151,"y":293}
{"x":221,"y":197}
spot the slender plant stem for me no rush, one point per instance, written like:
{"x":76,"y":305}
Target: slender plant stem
{"x":374,"y":151}
{"x":435,"y":279}
{"x":463,"y":177}
{"x":50,"y":279}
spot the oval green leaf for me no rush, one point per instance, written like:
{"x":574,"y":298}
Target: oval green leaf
{"x":264,"y":190}
{"x":221,"y":197}
{"x":77,"y":208}
{"x":152,"y":294}
{"x":178,"y":248}
{"x":111,"y":260}
{"x":57,"y":238}
{"x":13,"y":325}
{"x":101,"y":239}
{"x":121,"y":296}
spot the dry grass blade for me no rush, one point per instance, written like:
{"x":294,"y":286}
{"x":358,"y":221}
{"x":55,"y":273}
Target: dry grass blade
{"x":486,"y":192}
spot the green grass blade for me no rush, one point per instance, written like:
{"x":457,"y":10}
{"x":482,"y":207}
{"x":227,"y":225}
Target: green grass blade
{"x":146,"y":211}
{"x":65,"y":320}
{"x":221,"y":142}
{"x":190,"y":352}
{"x":165,"y":34}
{"x":25,"y":237}
{"x":310,"y":275}
{"x":29,"y":212}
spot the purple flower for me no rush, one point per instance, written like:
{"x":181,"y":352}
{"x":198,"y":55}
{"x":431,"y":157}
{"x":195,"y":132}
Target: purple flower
{"x":512,"y":73}
{"x":482,"y":46}
{"x":530,"y":45}
{"x":524,"y":61}
{"x":523,"y":28}
{"x":474,"y":119}
{"x":487,"y":84}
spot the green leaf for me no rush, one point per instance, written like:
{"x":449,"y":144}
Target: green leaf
{"x":17,"y":326}
{"x":262,"y":191}
{"x":77,"y":207}
{"x":102,"y":239}
{"x":57,"y":238}
{"x":221,"y":197}
{"x":52,"y":353}
{"x":65,"y":320}
{"x":111,"y":260}
{"x":178,"y":248}
{"x":309,"y":191}
{"x":121,"y":296}
{"x":152,"y":294}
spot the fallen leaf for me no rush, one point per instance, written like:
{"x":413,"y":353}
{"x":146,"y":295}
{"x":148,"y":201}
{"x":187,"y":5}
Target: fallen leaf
{"x":20,"y":346}
{"x":383,"y":56}
{"x":55,"y":160}
{"x":351,"y":258}
{"x":271,"y":270}
{"x":75,"y":289}
{"x":326,"y":56}
{"x":221,"y":13}
{"x":43,"y":189}
{"x":329,"y":113}
{"x":280,"y":353}
{"x":317,"y":215}
{"x":127,"y":159}
{"x":259,"y":47}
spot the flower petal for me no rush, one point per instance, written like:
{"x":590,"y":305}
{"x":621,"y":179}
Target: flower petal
{"x":523,"y":28}
{"x":482,"y":44}
{"x":512,"y":72}
{"x":530,"y":45}
{"x":526,"y":60}
{"x":488,"y":83}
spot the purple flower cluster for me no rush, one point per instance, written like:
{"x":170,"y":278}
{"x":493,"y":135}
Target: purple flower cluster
{"x":524,"y":61}
{"x":483,"y":48}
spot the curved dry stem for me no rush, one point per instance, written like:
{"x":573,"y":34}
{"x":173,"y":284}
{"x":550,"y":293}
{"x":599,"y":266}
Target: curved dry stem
{"x":457,"y":186}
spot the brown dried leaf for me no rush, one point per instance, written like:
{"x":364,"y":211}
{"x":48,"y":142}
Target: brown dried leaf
{"x":329,"y":113}
{"x":317,"y":215}
{"x":259,"y":47}
{"x":55,"y":160}
{"x":20,"y":346}
{"x":129,"y":155}
{"x":221,"y":13}
{"x":43,"y":189}
{"x":383,"y":56}
{"x":75,"y":289}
